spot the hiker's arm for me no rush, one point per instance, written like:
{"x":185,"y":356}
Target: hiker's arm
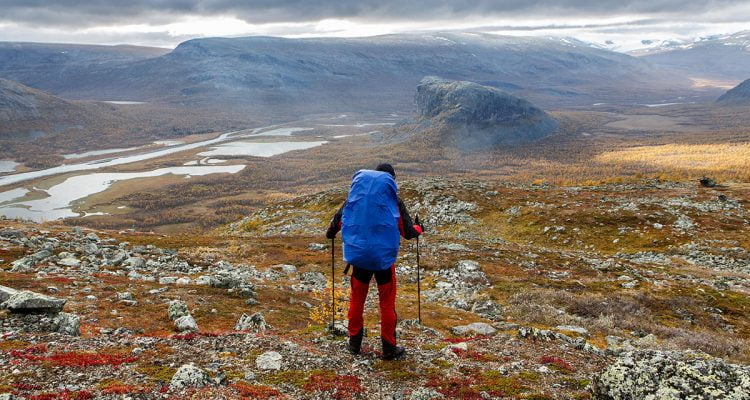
{"x":409,"y":230}
{"x":335,"y":225}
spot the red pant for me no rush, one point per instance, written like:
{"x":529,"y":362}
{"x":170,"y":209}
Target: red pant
{"x":386,"y":293}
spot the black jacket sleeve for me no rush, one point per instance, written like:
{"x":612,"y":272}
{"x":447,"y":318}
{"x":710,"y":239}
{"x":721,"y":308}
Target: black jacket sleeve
{"x":406,"y":222}
{"x":335,"y":225}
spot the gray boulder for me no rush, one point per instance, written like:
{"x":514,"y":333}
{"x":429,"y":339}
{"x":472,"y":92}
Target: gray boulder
{"x":268,"y":361}
{"x":136,"y":262}
{"x":30,"y":302}
{"x":671,"y":375}
{"x":6,"y":293}
{"x":477,"y":328}
{"x":186,"y":323}
{"x":69,"y":262}
{"x":252,"y":323}
{"x":188,"y":376}
{"x":66,"y":323}
{"x":177,"y":309}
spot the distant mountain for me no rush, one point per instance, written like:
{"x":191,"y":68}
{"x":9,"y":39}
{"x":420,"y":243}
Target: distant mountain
{"x":293,"y":76}
{"x":739,"y":95}
{"x":469,"y":116}
{"x":61,"y":68}
{"x":725,"y":57}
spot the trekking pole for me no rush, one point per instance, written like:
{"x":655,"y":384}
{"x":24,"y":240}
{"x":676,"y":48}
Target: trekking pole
{"x":419,"y":286}
{"x":333,"y":284}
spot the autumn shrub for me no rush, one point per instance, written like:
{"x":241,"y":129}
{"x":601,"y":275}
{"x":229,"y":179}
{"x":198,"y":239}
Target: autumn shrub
{"x":255,"y":391}
{"x":557,"y":363}
{"x":337,"y":386}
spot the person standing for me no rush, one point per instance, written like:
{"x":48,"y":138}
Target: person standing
{"x":372,"y":220}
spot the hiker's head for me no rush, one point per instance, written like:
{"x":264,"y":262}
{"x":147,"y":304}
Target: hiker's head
{"x":385,"y":167}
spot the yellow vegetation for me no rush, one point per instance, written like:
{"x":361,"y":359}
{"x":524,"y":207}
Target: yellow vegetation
{"x":714,"y":158}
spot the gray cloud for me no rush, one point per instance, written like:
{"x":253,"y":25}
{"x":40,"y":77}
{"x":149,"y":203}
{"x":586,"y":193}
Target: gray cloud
{"x":97,"y":12}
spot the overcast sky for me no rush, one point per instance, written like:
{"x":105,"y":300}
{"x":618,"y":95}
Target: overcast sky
{"x":623,"y":24}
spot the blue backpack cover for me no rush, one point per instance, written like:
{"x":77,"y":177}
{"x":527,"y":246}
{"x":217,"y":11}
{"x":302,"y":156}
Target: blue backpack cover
{"x":370,"y":221}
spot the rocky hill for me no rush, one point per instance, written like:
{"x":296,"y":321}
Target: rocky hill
{"x":739,"y":95}
{"x":475,"y":116}
{"x":357,"y":74}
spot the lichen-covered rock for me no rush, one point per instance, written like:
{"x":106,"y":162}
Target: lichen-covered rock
{"x":476,"y":328}
{"x":30,"y":302}
{"x":661,"y":375}
{"x":252,"y":323}
{"x":425,"y":394}
{"x":188,"y":376}
{"x":6,"y":293}
{"x":186,"y":323}
{"x":66,"y":323}
{"x":269,"y":360}
{"x":177,"y":309}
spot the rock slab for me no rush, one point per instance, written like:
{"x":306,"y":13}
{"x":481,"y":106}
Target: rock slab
{"x":671,"y":375}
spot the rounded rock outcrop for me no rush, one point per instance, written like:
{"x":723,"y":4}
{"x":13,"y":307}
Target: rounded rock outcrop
{"x":478,"y":116}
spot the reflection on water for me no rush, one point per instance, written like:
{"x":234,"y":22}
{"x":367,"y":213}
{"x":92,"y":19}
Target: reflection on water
{"x":12,"y":195}
{"x":62,"y":196}
{"x":258,"y":149}
{"x":96,"y":164}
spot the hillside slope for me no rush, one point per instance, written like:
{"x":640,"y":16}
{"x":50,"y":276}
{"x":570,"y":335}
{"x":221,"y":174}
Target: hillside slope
{"x":739,"y":95}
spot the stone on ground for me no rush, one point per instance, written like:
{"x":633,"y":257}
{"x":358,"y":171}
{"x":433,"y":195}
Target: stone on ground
{"x":30,"y":302}
{"x":177,"y":309}
{"x":252,"y":323}
{"x":188,"y":376}
{"x":663,"y":375}
{"x":478,"y":328}
{"x":186,"y":323}
{"x":6,"y":293}
{"x":68,"y":324}
{"x":269,"y":360}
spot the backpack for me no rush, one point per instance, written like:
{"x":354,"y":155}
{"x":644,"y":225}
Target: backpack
{"x":370,"y":221}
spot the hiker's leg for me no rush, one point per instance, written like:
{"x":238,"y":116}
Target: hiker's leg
{"x":387,"y":296}
{"x":360,"y":284}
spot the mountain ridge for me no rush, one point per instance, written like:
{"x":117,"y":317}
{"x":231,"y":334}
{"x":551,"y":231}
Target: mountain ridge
{"x":315,"y":75}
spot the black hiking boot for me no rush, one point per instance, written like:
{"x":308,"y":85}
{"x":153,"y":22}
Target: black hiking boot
{"x":355,"y":343}
{"x":391,"y":352}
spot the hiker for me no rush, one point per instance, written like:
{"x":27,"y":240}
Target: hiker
{"x":371,"y":219}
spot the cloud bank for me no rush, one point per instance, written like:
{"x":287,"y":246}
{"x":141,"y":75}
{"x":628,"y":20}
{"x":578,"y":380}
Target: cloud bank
{"x":167,"y":22}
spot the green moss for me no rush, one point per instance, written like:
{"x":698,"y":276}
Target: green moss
{"x":157,"y":373}
{"x":529,"y":376}
{"x":495,"y":382}
{"x":441,"y":363}
{"x":576,"y":384}
{"x":293,"y":377}
{"x":398,"y":370}
{"x":538,"y":396}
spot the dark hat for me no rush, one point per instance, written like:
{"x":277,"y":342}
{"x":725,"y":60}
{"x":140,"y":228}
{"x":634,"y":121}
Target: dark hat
{"x":385,"y":167}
